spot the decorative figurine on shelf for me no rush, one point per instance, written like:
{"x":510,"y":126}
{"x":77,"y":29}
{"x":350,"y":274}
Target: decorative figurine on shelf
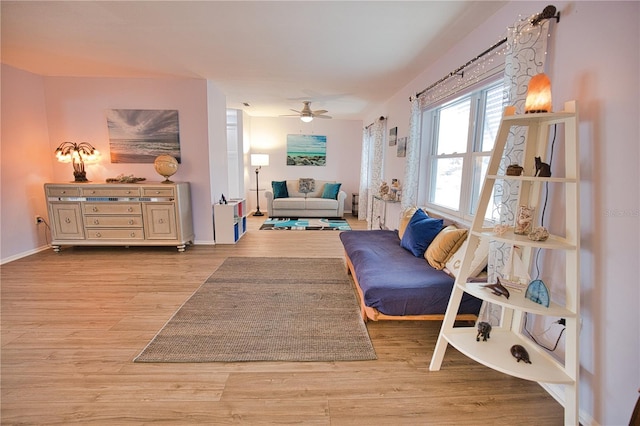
{"x":542,"y":169}
{"x":520,"y":353}
{"x":484,"y":329}
{"x":514,"y":170}
{"x":395,"y":189}
{"x":539,"y":234}
{"x":383,"y":192}
{"x":223,"y":200}
{"x":524,"y":220}
{"x":498,"y":289}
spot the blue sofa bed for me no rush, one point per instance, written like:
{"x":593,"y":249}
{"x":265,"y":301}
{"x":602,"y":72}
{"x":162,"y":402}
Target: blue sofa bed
{"x":394,"y":284}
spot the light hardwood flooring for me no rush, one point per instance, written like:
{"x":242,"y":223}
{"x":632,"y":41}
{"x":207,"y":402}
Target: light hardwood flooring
{"x":72,"y":323}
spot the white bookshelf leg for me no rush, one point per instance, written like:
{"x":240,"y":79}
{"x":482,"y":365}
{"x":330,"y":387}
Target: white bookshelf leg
{"x":447,"y":324}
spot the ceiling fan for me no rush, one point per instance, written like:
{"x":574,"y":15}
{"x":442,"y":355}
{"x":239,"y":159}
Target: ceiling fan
{"x":306,"y":114}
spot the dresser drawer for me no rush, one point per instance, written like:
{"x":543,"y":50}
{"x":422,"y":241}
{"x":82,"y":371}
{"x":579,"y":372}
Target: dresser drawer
{"x":62,"y":191}
{"x":112,"y":208}
{"x":113,"y":221}
{"x":115,"y":234}
{"x":158,"y":192}
{"x":110,"y":192}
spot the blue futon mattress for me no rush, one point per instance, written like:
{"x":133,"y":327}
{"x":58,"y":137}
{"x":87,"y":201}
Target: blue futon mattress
{"x":394,"y":281}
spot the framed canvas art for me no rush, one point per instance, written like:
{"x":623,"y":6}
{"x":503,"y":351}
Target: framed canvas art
{"x":306,"y":150}
{"x":402,"y":147}
{"x":140,"y":135}
{"x":393,"y":136}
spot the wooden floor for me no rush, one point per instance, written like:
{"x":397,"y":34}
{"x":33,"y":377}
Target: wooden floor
{"x":72,"y":323}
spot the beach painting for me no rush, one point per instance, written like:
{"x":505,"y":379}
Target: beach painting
{"x":140,"y":135}
{"x":306,"y":150}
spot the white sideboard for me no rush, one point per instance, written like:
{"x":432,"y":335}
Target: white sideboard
{"x":142,"y":214}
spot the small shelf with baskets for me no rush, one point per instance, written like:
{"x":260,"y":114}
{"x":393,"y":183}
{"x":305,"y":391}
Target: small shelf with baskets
{"x":230,"y":221}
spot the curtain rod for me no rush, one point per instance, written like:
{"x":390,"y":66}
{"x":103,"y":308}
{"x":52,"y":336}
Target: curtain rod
{"x":548,"y":12}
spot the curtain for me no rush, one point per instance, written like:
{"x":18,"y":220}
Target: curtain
{"x":365,"y":170}
{"x":411,"y":177}
{"x":526,"y":54}
{"x":371,"y":166}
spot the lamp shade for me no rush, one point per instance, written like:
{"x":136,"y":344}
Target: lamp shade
{"x":259,"y":159}
{"x":306,"y":118}
{"x":538,"y":95}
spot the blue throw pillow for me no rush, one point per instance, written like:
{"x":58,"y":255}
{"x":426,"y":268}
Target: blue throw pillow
{"x":420,"y":231}
{"x":331,"y":190}
{"x":280,"y":189}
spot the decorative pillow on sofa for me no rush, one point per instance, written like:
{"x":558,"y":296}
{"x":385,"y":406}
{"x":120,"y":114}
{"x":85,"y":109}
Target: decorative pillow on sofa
{"x":331,"y":191}
{"x":280,"y":189}
{"x":404,"y":220}
{"x":480,"y":258}
{"x":420,"y":232}
{"x":444,"y":245}
{"x":306,"y":185}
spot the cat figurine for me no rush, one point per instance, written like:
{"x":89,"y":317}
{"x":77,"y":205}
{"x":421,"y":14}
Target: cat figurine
{"x":542,"y":169}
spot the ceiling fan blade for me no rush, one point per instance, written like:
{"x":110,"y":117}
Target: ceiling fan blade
{"x":295,"y":110}
{"x":320,"y":112}
{"x":322,"y":116}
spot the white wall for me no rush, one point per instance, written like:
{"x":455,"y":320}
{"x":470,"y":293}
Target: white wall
{"x":25,"y":163}
{"x":76,"y":111}
{"x":600,"y":70}
{"x":344,"y":142}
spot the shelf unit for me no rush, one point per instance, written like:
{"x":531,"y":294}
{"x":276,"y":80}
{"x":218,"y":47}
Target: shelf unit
{"x":495,"y":353}
{"x":230,"y":221}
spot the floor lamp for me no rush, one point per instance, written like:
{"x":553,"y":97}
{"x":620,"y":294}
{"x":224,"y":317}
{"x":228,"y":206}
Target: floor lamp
{"x":257,"y":161}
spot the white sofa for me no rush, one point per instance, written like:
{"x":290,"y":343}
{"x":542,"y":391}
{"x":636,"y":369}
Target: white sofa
{"x":299,"y":204}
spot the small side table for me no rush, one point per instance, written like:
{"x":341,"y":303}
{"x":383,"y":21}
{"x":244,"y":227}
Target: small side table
{"x":382,"y":217}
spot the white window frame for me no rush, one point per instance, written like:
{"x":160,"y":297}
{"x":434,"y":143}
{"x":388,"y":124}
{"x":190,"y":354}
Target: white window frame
{"x":471,"y":176}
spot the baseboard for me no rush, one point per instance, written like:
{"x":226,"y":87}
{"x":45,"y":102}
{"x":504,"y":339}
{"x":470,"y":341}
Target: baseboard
{"x":23,"y":254}
{"x":557,"y":393}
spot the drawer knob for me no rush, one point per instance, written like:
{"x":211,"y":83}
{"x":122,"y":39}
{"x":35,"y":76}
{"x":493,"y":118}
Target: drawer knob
{"x":161,"y":221}
{"x":95,"y":209}
{"x":131,"y":222}
{"x":128,"y":192}
{"x":98,"y":234}
{"x":130,"y":209}
{"x":67,"y":220}
{"x":133,"y":234}
{"x":63,"y":192}
{"x":157,"y":192}
{"x":93,"y":192}
{"x":96,"y":222}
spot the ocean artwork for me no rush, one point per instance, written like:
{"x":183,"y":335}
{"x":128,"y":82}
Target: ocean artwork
{"x":306,"y":150}
{"x":140,"y":135}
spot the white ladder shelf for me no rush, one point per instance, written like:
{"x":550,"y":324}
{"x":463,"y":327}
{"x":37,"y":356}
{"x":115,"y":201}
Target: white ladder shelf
{"x":495,"y":353}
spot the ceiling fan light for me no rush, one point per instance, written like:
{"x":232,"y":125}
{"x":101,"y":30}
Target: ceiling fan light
{"x":306,"y":118}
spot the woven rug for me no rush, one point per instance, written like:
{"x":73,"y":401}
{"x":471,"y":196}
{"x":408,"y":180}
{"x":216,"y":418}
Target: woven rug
{"x":306,"y":224}
{"x":267,"y":309}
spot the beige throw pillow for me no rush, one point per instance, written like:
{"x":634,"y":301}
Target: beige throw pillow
{"x":444,"y":245}
{"x":480,"y":258}
{"x":405,"y":219}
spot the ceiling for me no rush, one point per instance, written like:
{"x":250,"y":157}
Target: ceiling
{"x":344,"y":56}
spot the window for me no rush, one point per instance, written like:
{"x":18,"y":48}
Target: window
{"x":459,"y":136}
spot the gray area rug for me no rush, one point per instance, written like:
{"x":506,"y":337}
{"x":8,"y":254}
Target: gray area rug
{"x":267,"y":309}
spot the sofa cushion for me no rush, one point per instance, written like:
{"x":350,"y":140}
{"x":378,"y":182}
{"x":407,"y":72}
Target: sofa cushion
{"x":279,"y":189}
{"x":321,"y":204}
{"x":331,"y":190}
{"x":420,"y":231}
{"x":289,"y":203}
